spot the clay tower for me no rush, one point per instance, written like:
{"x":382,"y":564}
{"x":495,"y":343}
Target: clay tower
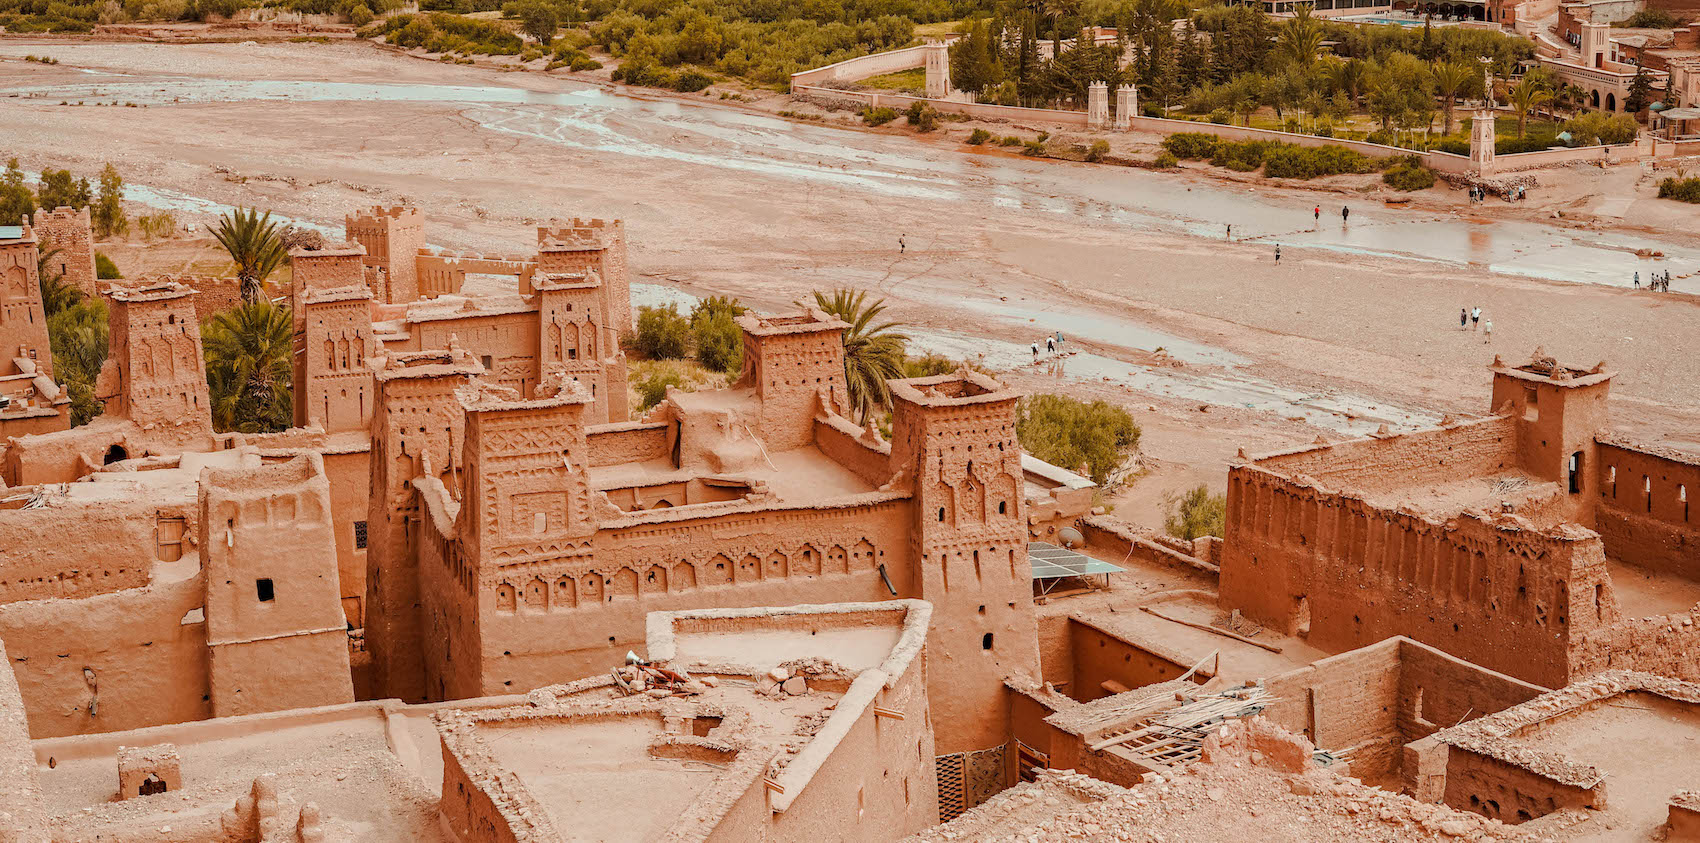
{"x":955,"y":435}
{"x":69,"y":231}
{"x":276,"y":636}
{"x":392,"y":238}
{"x":23,"y":323}
{"x":796,"y":365}
{"x":155,"y":373}
{"x":417,"y":434}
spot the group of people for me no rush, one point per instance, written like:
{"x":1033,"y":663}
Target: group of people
{"x":1471,"y":317}
{"x":1478,"y":193}
{"x":1052,"y":343}
{"x":1657,"y":282}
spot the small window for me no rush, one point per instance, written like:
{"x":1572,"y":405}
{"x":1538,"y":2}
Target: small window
{"x":1003,"y":507}
{"x":263,"y":588}
{"x":572,"y":354}
{"x":986,"y":641}
{"x":489,"y":362}
{"x":941,"y":514}
{"x":359,"y":535}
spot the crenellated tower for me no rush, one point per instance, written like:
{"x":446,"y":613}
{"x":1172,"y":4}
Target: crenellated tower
{"x":417,"y":435}
{"x":955,"y":437}
{"x":575,"y":342}
{"x":23,"y":322}
{"x":796,"y":366}
{"x":155,"y":374}
{"x":392,"y":238}
{"x":578,"y":245}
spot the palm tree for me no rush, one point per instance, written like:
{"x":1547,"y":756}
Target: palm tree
{"x":249,"y":355}
{"x":79,"y":336}
{"x":1525,"y":97}
{"x":1301,"y":39}
{"x":1451,"y":81}
{"x":254,"y":244}
{"x":56,"y":295}
{"x":872,"y":353}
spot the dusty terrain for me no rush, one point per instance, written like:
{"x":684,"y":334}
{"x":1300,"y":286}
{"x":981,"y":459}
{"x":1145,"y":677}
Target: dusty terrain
{"x":1210,"y":342}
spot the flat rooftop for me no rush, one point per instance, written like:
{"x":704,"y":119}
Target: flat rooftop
{"x":800,"y":475}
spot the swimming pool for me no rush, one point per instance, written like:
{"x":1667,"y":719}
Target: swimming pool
{"x":1378,"y":19}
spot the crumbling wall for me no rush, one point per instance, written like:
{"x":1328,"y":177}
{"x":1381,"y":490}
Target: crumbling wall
{"x":1668,"y":645}
{"x":1438,"y":691}
{"x":1347,"y":704}
{"x":20,"y":799}
{"x":1509,"y":793}
{"x":1132,"y":542}
{"x":1648,"y":514}
{"x":1343,"y":572}
{"x":115,"y":548}
{"x":1424,"y":457}
{"x":849,"y":446}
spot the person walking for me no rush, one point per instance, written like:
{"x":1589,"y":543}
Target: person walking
{"x":1345,"y":214}
{"x":1035,"y":352}
{"x":901,"y":246}
{"x":1487,"y":331}
{"x":1475,"y":317}
{"x":1050,"y":345}
{"x":1230,"y":231}
{"x":1463,"y":318}
{"x":1637,"y":280}
{"x":1318,"y":213}
{"x":1277,"y":254}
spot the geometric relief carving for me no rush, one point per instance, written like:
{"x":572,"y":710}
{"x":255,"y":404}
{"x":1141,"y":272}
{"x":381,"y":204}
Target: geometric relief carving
{"x":684,"y":577}
{"x":566,"y":593}
{"x":590,"y":588}
{"x":806,"y":563}
{"x":837,"y":560}
{"x":777,"y":567}
{"x":655,"y":580}
{"x":863,"y":556}
{"x":537,"y":595}
{"x":718,"y":571}
{"x":624,"y":585}
{"x":749,"y":569}
{"x":504,"y":598}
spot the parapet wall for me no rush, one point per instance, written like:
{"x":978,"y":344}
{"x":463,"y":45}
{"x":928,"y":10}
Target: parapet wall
{"x":625,"y":442}
{"x":1647,"y":513}
{"x":1406,"y":460}
{"x":1668,"y":645}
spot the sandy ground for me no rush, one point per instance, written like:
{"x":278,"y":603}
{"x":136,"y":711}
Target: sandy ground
{"x":988,"y":237}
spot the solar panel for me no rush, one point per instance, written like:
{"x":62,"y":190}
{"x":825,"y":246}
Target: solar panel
{"x":11,"y":232}
{"x":1051,"y":562}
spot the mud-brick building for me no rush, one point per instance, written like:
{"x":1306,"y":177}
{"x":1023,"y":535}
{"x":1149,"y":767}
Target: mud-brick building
{"x":1526,"y":542}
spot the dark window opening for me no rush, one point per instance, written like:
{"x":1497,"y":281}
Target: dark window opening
{"x":359,"y":535}
{"x":1576,"y":472}
{"x":116,"y":453}
{"x":1003,"y":507}
{"x":941,"y":515}
{"x":986,"y":641}
{"x":265,"y":591}
{"x":151,"y":785}
{"x":488,"y":361}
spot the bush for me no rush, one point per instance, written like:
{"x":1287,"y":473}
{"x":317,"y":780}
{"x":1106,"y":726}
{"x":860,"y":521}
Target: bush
{"x":1242,"y":156}
{"x":104,"y":268}
{"x":1682,"y":190}
{"x":1194,"y":514}
{"x":1409,"y":175}
{"x":878,"y":116}
{"x":662,"y":334}
{"x":1009,"y":140}
{"x":1454,"y":146}
{"x":1650,"y":19}
{"x":444,"y":33}
{"x":360,"y":16}
{"x":647,"y":381}
{"x":979,"y":136}
{"x":719,"y":339}
{"x":1221,"y":117}
{"x":1291,"y":161}
{"x":922,"y":116}
{"x":1165,"y":160}
{"x":1512,"y":146}
{"x":1597,"y":128}
{"x":1191,"y":146}
{"x":1073,"y":434}
{"x":691,"y":81}
{"x":1098,"y":150}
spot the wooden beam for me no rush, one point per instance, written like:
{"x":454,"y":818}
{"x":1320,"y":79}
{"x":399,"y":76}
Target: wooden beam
{"x":1208,"y":628}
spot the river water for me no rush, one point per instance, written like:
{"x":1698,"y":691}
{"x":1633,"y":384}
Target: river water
{"x":592,"y":119}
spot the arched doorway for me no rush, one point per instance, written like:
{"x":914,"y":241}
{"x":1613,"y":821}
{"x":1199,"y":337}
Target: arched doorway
{"x":116,"y":453}
{"x":1611,"y":102}
{"x":1594,"y":99}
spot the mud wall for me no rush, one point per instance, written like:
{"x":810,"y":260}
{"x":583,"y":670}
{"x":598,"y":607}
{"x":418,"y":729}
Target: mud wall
{"x":1500,"y":791}
{"x":1345,"y":573}
{"x":1647,"y":514}
{"x":1347,"y":704}
{"x":1408,"y":460}
{"x":862,"y":67}
{"x":1101,"y":657}
{"x":1440,"y":691}
{"x":20,"y":798}
{"x":115,"y":547}
{"x":1668,"y":645}
{"x":146,"y":651}
{"x":839,"y":440}
{"x":628,"y":442}
{"x":547,"y":622}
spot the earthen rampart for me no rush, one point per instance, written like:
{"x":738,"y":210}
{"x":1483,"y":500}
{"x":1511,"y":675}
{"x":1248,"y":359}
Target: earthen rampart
{"x":625,"y":442}
{"x":1344,"y":573}
{"x":860,"y":451}
{"x":1668,"y":645}
{"x":1386,"y":463}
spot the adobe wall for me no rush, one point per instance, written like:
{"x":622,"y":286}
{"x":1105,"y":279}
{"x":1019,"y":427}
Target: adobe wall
{"x":20,"y":799}
{"x":1442,"y":691}
{"x":850,"y":446}
{"x":1348,"y":704}
{"x":1668,"y":645}
{"x":572,"y":616}
{"x":1649,"y":509}
{"x":65,"y":455}
{"x":1101,"y":657}
{"x":23,"y":322}
{"x":625,"y":442}
{"x":149,"y":658}
{"x":1509,"y":793}
{"x":1408,"y":460}
{"x":1345,"y":573}
{"x":508,"y":339}
{"x":116,"y":547}
{"x":70,"y":231}
{"x":1131,"y":542}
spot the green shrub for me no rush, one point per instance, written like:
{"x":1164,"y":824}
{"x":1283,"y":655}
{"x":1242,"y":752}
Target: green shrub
{"x":1033,"y":148}
{"x":583,"y":63}
{"x":1512,"y":146}
{"x":1073,"y":434}
{"x":647,"y":381}
{"x":445,"y":33}
{"x":1009,"y":140}
{"x":878,"y":116}
{"x":1650,"y":19}
{"x":1165,"y":160}
{"x":104,"y":268}
{"x":360,"y":15}
{"x":1682,"y":190}
{"x":1191,"y":146}
{"x":662,"y":334}
{"x":719,"y":340}
{"x":1409,"y":175}
{"x":922,"y":116}
{"x":1098,"y":150}
{"x":1243,"y":156}
{"x":979,"y":136}
{"x":1221,"y":117}
{"x":1194,"y":514}
{"x":1454,"y":146}
{"x":1291,"y":161}
{"x":1595,"y":128}
{"x":691,"y":81}
{"x":653,"y":388}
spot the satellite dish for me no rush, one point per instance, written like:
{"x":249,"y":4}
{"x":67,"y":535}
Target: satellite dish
{"x":1070,"y":537}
